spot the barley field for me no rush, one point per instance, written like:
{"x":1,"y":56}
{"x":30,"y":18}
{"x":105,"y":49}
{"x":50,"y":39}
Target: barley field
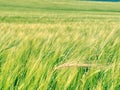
{"x":59,"y":45}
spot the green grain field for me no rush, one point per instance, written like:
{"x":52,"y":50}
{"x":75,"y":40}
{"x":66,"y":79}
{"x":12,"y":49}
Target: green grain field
{"x":59,"y":45}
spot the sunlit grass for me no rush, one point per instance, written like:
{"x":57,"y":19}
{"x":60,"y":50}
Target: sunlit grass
{"x":30,"y":53}
{"x":59,"y":50}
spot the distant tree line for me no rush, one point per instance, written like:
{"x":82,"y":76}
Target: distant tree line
{"x":107,"y":0}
